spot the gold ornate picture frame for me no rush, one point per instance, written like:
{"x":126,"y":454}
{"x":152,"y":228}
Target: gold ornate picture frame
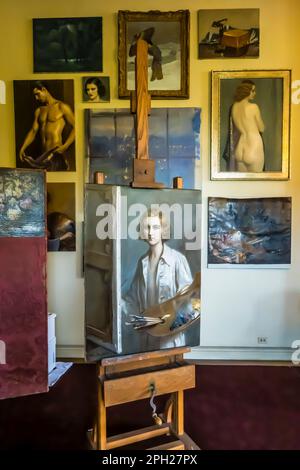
{"x":167,"y":34}
{"x":250,"y":125}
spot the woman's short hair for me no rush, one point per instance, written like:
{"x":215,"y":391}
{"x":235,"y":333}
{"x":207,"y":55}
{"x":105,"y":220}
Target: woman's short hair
{"x":243,"y":90}
{"x":96,"y":81}
{"x":164,"y":223}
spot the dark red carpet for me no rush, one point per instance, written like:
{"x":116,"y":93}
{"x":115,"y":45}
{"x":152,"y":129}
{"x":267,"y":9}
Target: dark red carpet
{"x":233,"y":407}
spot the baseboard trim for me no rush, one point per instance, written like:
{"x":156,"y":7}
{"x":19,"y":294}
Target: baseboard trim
{"x":207,"y":353}
{"x":65,"y":352}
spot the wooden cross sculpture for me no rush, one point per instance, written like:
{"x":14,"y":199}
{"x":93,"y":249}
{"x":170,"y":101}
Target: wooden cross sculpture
{"x":143,"y":166}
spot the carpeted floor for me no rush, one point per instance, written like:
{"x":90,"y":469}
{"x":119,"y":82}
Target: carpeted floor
{"x":233,"y":407}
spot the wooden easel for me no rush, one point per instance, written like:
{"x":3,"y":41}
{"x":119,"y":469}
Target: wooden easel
{"x":125,"y":379}
{"x":129,"y":378}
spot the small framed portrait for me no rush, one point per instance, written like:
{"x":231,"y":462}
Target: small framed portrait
{"x":250,"y":125}
{"x":95,"y":89}
{"x":167,"y":34}
{"x":67,"y":44}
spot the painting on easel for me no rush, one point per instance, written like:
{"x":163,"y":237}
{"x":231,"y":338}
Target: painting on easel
{"x":144,"y":259}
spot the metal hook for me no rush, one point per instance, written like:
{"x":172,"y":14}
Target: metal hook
{"x":155,"y":416}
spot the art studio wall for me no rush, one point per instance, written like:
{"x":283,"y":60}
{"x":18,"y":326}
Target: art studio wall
{"x":238,"y":305}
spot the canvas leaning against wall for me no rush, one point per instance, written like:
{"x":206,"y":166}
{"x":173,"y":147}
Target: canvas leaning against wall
{"x":130,"y":309}
{"x":245,"y":232}
{"x":45,"y":124}
{"x":61,"y":215}
{"x":174,"y":144}
{"x":23,"y":299}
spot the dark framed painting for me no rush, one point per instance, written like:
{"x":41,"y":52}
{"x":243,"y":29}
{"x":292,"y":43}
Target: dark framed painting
{"x":45,"y":124}
{"x":174,"y":144}
{"x":95,"y":89}
{"x":245,"y":232}
{"x":67,"y":44}
{"x":250,"y":125}
{"x":167,"y":34}
{"x":61,"y":215}
{"x":228,"y":33}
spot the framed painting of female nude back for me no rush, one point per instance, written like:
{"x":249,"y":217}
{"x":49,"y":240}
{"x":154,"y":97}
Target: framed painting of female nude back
{"x":250,"y":124}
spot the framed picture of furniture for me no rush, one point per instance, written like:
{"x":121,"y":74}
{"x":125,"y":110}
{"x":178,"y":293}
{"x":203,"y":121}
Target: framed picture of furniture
{"x":226,"y":33}
{"x":250,"y":125}
{"x":167,"y":34}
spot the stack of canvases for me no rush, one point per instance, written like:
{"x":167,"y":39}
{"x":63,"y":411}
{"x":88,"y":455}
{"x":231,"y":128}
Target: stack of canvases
{"x":23,"y":314}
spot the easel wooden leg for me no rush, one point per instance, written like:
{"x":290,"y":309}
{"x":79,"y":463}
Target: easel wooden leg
{"x":178,"y":416}
{"x":101,"y":415}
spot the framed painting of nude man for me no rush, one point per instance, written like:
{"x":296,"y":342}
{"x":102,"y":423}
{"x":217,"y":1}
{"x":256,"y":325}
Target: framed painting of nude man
{"x":250,"y":125}
{"x":167,"y":35}
{"x":45,"y":124}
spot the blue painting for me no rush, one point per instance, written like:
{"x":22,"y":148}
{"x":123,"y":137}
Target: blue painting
{"x":249,"y":231}
{"x":174,"y":144}
{"x":22,"y":203}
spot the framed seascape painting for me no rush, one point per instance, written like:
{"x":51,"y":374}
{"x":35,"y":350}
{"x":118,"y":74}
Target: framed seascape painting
{"x":228,"y":33}
{"x":167,"y":34}
{"x":67,"y":44}
{"x":250,"y":125}
{"x":245,"y":232}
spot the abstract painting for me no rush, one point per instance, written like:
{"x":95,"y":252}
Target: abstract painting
{"x":249,"y":231}
{"x":174,"y":144}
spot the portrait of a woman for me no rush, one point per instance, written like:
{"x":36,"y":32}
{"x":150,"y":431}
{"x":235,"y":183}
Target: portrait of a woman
{"x":96,"y":89}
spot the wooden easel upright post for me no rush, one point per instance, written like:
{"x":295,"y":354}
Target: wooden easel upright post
{"x":129,"y":378}
{"x":143,"y":166}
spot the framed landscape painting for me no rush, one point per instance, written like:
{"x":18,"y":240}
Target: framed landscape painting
{"x":67,"y":44}
{"x":250,"y":125}
{"x":167,"y":34}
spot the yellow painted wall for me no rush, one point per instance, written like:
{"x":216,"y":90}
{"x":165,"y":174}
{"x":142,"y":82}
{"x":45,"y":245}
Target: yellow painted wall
{"x":248,"y":303}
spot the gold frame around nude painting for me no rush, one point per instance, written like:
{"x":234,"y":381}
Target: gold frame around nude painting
{"x":273,"y":100}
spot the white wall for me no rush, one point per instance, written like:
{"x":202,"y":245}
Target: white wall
{"x":237,"y":305}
